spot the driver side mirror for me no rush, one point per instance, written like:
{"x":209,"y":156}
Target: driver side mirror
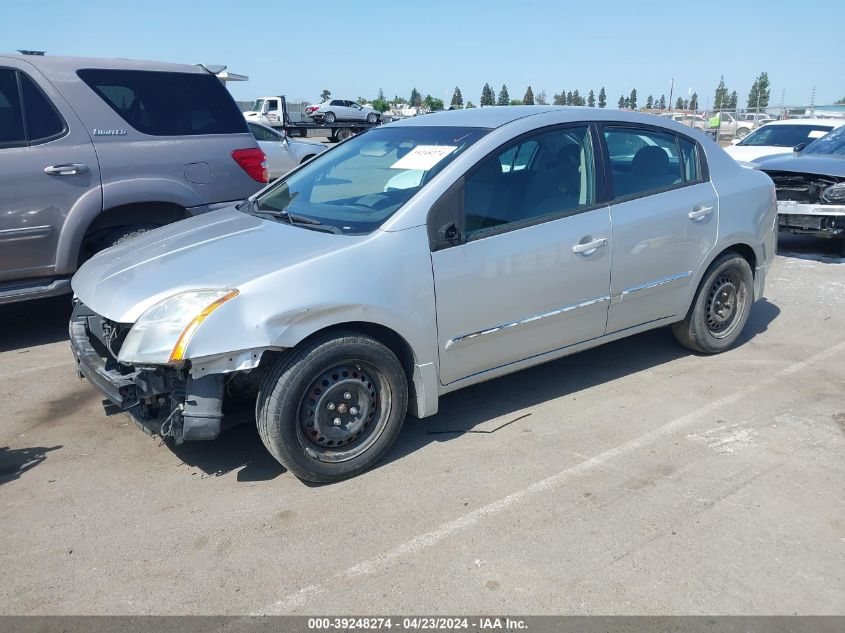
{"x":799,"y":147}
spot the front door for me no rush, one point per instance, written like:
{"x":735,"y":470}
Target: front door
{"x":47,"y":162}
{"x":531,"y":271}
{"x":665,"y":219}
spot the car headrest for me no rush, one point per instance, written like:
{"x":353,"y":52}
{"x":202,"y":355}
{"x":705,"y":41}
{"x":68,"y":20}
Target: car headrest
{"x":650,"y":161}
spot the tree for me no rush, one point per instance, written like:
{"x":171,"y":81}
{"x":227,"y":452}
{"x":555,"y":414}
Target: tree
{"x":469,"y":104}
{"x":516,"y":102}
{"x":693,"y":102}
{"x":840,"y":101}
{"x":559,"y":99}
{"x":432,"y":103}
{"x":649,"y":103}
{"x":662,"y":102}
{"x":487,"y":98}
{"x":602,"y":98}
{"x":397,"y":100}
{"x":591,"y":99}
{"x":457,"y":98}
{"x":380,"y":95}
{"x":758,"y":96}
{"x":627,"y":102}
{"x":416,"y":98}
{"x":528,"y":99}
{"x":621,"y":103}
{"x":632,"y":100}
{"x":577,"y":99}
{"x":732,"y":101}
{"x":504,"y":97}
{"x":679,"y":104}
{"x":541,"y":98}
{"x":325,"y":95}
{"x":720,"y":100}
{"x":569,"y":98}
{"x":381,"y":103}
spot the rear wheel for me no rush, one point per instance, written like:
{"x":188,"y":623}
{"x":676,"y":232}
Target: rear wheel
{"x":329,"y":117}
{"x":742,"y":132}
{"x":721,"y":306}
{"x":343,"y":134}
{"x":332,"y":408}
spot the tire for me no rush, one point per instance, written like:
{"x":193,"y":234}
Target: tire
{"x":307,"y":158}
{"x":720,"y":308}
{"x":372,"y":117}
{"x":329,"y":117}
{"x":343,"y":133}
{"x":742,"y":132}
{"x":340,"y":376}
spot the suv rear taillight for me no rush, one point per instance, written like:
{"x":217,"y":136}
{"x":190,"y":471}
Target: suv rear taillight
{"x":252,"y":161}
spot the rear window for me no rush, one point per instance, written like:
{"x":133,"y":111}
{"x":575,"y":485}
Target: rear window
{"x":167,"y":104}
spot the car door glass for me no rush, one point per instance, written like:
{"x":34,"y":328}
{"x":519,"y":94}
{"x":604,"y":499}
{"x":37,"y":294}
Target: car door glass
{"x":689,"y":151}
{"x":262,"y":134}
{"x":547,"y":175}
{"x":11,"y":120}
{"x":42,"y":120}
{"x":642,"y":160}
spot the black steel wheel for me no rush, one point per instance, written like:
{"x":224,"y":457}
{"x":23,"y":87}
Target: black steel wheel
{"x":720,"y":308}
{"x":332,"y":407}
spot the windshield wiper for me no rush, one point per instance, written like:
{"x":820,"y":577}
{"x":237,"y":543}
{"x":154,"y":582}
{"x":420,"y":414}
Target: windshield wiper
{"x":251,"y":206}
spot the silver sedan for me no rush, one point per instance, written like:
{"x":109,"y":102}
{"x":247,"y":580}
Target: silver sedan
{"x":416,"y":259}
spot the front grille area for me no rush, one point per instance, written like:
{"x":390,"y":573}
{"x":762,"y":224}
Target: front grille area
{"x":802,"y":188}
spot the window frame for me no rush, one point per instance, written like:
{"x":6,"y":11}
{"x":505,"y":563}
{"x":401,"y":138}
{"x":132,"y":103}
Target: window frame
{"x":449,"y":207}
{"x":28,"y":142}
{"x":701,"y":161}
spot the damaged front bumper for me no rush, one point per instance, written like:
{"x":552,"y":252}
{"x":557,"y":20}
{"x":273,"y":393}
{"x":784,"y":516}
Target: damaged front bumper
{"x":162,"y":400}
{"x":813,"y":218}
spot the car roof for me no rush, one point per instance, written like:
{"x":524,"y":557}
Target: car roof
{"x":49,"y":64}
{"x":492,"y":117}
{"x":833,"y":123}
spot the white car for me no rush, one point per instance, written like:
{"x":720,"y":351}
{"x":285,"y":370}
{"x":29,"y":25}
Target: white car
{"x":343,"y":110}
{"x":780,"y":137}
{"x":283,"y":153}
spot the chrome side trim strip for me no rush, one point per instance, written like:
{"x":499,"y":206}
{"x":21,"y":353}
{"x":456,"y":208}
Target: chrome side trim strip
{"x":469,"y":338}
{"x":653,"y":284}
{"x":25,"y":233}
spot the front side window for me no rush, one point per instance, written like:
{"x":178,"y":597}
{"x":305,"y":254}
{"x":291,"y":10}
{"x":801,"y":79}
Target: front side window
{"x":642,"y":160}
{"x":356,"y":186}
{"x":167,"y":103}
{"x":11,"y":118}
{"x":547,"y":175}
{"x":785,"y":135}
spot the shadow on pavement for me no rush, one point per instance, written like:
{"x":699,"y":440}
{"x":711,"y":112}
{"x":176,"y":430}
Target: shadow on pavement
{"x":16,"y":461}
{"x":36,"y":322}
{"x":819,"y":249}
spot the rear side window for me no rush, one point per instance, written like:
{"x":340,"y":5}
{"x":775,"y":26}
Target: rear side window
{"x":165,"y":103}
{"x":642,"y":160}
{"x":689,"y":152}
{"x":42,"y":120}
{"x":11,"y":120}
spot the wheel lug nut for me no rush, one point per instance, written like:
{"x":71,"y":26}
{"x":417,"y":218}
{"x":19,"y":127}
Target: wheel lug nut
{"x":347,"y":396}
{"x":353,"y":410}
{"x":331,"y":406}
{"x":337,"y":421}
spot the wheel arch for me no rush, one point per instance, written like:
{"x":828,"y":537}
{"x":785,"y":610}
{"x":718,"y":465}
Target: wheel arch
{"x":743,"y":248}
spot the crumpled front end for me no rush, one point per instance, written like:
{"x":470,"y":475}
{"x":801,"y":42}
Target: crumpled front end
{"x":810,"y":203}
{"x":162,"y":400}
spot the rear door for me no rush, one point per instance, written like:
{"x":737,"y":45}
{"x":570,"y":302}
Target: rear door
{"x":48,"y":164}
{"x":665,"y":219}
{"x":531,"y":271}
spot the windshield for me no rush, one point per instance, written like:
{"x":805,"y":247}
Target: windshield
{"x":785,"y":135}
{"x":359,"y":184}
{"x":832,"y":144}
{"x":257,"y":105}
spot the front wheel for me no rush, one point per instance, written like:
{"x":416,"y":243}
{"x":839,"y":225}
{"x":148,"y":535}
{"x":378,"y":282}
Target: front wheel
{"x":332,"y":408}
{"x":372,"y":117}
{"x":721,"y":306}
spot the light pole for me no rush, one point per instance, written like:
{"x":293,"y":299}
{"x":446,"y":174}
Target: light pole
{"x":671,"y":90}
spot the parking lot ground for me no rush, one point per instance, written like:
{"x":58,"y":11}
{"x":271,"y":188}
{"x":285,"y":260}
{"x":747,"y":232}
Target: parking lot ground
{"x":636,"y":478}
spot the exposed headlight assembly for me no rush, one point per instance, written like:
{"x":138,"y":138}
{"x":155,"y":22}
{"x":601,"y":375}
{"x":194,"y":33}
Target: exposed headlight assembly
{"x":835,"y":194}
{"x":162,"y":333}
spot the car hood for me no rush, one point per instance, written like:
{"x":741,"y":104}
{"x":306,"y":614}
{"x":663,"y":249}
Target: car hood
{"x":221,"y":249}
{"x":805,"y":164}
{"x":753,"y":152}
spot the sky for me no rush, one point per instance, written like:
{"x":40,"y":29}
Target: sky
{"x":354,"y":48}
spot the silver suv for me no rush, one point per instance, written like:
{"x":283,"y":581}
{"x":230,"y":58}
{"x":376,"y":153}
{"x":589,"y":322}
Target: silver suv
{"x":95,"y":150}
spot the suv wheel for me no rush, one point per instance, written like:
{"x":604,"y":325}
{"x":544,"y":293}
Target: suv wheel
{"x":721,"y":306}
{"x":742,"y":132}
{"x":333,"y":407}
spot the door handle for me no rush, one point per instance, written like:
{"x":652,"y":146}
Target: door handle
{"x":588,"y":248}
{"x":699,"y":213}
{"x":69,"y":169}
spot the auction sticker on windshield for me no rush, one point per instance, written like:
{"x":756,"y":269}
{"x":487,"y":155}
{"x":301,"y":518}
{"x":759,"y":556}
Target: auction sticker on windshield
{"x":424,"y":157}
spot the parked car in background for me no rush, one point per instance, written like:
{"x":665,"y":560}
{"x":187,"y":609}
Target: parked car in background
{"x":538,"y":236}
{"x":729,"y":126}
{"x":779,"y":137}
{"x":93,"y":151}
{"x":760,"y":118}
{"x":810,"y":186}
{"x":343,"y":110}
{"x":283,"y":153}
{"x":691,"y":120}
